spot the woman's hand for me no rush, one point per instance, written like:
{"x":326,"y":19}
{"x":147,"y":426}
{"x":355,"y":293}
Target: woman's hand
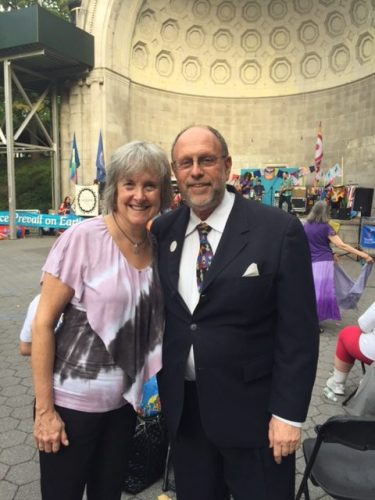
{"x":369,"y":259}
{"x":49,"y":431}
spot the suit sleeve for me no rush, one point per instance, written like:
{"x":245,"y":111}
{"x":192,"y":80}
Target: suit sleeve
{"x":297,"y":330}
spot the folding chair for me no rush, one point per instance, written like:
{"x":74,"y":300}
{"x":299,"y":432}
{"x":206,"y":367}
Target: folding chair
{"x":341,"y":459}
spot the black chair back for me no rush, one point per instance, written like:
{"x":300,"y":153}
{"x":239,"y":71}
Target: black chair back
{"x":356,"y":433}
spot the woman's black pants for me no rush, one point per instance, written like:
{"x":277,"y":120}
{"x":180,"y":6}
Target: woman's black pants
{"x":96,"y":457}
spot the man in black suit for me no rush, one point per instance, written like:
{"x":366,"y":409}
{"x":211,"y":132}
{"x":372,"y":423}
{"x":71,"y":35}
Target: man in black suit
{"x":240,"y":349}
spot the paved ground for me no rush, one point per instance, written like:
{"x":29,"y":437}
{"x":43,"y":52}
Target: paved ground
{"x":20,"y":263}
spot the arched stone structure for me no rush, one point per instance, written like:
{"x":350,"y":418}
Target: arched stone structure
{"x":265,"y":72}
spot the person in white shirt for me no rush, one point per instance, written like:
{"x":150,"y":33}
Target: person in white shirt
{"x":25,"y":335}
{"x":353,"y":343}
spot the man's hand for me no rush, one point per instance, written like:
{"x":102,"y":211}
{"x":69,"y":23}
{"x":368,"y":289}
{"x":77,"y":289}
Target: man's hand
{"x":284,"y":438}
{"x":49,"y":431}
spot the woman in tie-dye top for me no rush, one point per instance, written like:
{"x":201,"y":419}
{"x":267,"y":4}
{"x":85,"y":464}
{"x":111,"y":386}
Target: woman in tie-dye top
{"x":88,"y":377}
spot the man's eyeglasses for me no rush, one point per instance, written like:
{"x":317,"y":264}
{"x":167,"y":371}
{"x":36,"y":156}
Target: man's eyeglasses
{"x":203,"y":162}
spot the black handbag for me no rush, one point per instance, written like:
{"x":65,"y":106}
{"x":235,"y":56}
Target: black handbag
{"x":147,"y":454}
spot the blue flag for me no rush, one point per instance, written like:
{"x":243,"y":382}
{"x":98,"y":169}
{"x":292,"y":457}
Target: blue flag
{"x":100,"y":168}
{"x":74,"y":161}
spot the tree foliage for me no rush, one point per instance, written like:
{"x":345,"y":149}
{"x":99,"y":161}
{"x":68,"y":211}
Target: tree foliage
{"x":60,"y":7}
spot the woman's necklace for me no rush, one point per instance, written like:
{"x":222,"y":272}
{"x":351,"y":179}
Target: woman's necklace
{"x":136,"y":245}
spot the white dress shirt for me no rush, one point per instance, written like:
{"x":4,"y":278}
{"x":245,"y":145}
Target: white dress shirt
{"x":187,"y":284}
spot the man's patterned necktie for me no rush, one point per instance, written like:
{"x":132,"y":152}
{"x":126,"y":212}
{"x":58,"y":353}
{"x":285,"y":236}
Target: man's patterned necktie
{"x":205,"y":254}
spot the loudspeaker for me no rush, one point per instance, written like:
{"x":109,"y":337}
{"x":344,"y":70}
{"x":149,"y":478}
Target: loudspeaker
{"x":298,"y":204}
{"x":363,"y":200}
{"x":299,"y":192}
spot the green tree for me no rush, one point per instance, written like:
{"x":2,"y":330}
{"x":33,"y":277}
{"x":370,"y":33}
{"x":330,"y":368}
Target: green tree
{"x":60,"y":7}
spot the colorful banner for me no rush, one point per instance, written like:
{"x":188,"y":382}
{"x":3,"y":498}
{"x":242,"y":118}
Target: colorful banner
{"x":271,"y":179}
{"x":74,"y":161}
{"x":32,"y":219}
{"x":318,"y":155}
{"x":100,"y":167}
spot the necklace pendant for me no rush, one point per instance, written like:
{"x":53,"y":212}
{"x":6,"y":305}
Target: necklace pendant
{"x":136,"y":248}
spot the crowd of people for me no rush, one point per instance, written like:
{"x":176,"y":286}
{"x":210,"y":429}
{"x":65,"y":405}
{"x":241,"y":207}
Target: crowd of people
{"x":250,"y":186}
{"x":227,"y":320}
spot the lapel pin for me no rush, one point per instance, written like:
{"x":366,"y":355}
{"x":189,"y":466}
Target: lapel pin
{"x":173,"y":246}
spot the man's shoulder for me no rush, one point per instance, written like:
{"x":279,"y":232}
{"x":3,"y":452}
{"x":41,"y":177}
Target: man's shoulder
{"x":266,"y":214}
{"x":165,"y":221}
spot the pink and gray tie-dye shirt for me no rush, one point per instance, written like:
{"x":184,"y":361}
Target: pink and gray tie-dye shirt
{"x":110,"y":340}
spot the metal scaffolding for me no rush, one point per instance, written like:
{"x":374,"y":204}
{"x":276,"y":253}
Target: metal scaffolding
{"x":37,"y":51}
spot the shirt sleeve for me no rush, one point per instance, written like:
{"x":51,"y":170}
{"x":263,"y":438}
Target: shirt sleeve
{"x":25,"y":334}
{"x":66,"y":259}
{"x":330,"y":230}
{"x":290,"y":422}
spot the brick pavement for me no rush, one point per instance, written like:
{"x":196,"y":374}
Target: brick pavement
{"x":20,"y":263}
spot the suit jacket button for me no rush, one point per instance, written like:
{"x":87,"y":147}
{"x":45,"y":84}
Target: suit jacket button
{"x":193,"y":327}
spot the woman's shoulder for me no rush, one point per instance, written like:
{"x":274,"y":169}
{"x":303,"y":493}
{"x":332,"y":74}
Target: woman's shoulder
{"x":88,"y":225}
{"x":83,"y":231}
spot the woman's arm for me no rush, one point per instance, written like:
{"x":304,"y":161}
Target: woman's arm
{"x":337,"y":241}
{"x":49,"y":429}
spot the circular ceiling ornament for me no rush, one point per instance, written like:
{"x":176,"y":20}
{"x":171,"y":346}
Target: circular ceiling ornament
{"x":311,"y":65}
{"x":251,"y":12}
{"x":223,"y":40}
{"x":226,"y":11}
{"x":365,"y":48}
{"x":250,"y":72}
{"x":178,"y":5}
{"x":280,"y":70}
{"x":147,"y":23}
{"x":308,"y":32}
{"x":140,"y":55}
{"x":303,"y":6}
{"x":220,"y":72}
{"x":277,"y":9}
{"x":359,"y":12}
{"x":335,"y":24}
{"x":195,"y":37}
{"x":164,"y":63}
{"x":201,"y":8}
{"x":339,"y":58}
{"x":280,"y":38}
{"x":251,"y":40}
{"x":191,"y":69}
{"x":169,"y":31}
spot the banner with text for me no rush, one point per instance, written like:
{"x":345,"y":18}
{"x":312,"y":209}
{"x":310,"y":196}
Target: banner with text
{"x":32,"y":219}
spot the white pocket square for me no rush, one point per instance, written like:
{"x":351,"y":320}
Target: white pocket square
{"x":252,"y":270}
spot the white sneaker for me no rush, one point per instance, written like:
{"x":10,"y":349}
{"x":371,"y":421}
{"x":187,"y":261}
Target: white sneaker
{"x":335,"y":387}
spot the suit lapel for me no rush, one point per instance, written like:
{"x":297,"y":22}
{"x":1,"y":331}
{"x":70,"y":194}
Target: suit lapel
{"x":234,"y":238}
